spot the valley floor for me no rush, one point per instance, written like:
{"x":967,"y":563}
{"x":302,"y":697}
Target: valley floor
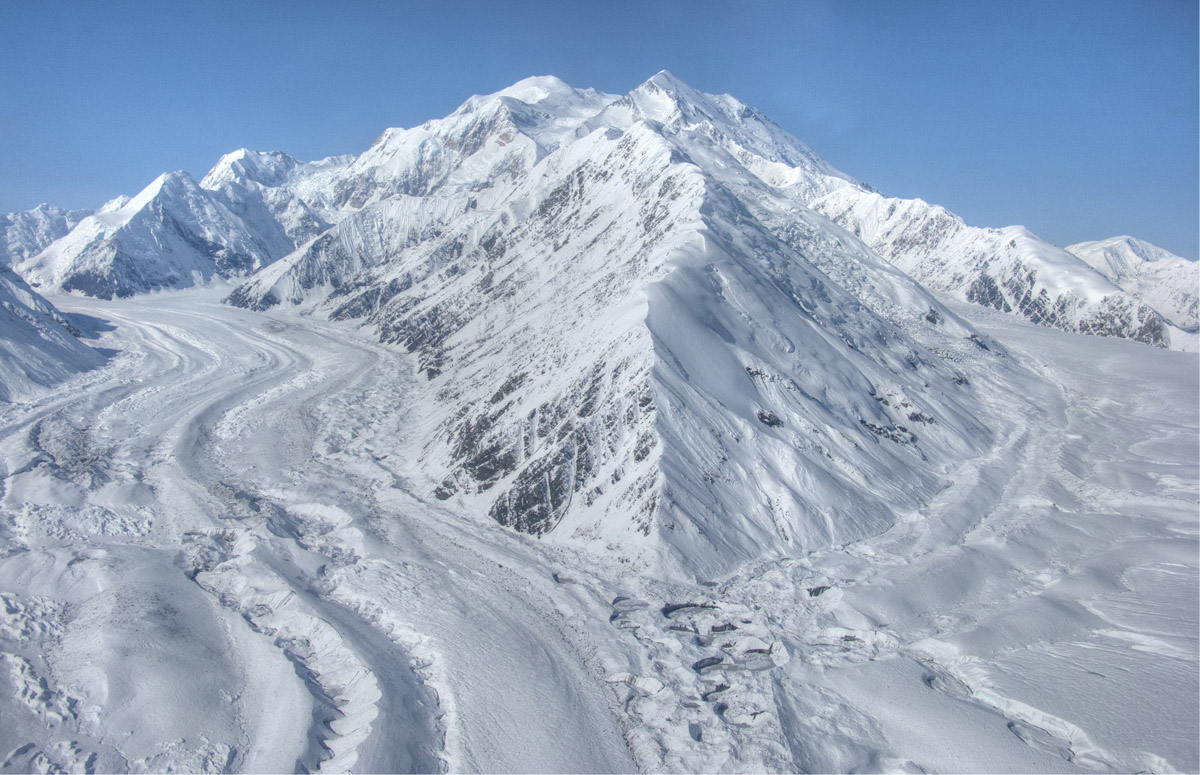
{"x":212,"y":558}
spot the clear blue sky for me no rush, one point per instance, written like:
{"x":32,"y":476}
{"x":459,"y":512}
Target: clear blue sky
{"x":1077,"y":119}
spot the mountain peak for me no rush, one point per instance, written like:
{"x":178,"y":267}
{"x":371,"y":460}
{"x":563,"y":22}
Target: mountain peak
{"x":269,"y":168}
{"x":169,"y":183}
{"x":536,"y":88}
{"x":545,"y":94}
{"x":1130,"y":247}
{"x":667,"y":79}
{"x":1162,"y":279}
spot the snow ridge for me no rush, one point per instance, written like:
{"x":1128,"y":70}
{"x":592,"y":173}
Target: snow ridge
{"x":1162,"y":279}
{"x":1008,"y":269}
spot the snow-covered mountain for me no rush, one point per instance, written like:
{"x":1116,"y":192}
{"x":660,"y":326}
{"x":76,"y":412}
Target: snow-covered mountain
{"x":555,"y":255}
{"x":283,"y":202}
{"x":1009,"y":269}
{"x":23,"y":235}
{"x":172,"y":234}
{"x":567,"y":434}
{"x":631,"y":338}
{"x":253,"y":208}
{"x":38,"y":346}
{"x":249,"y":210}
{"x":1162,"y":279}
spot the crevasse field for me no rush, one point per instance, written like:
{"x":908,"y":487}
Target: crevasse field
{"x":214,"y":558}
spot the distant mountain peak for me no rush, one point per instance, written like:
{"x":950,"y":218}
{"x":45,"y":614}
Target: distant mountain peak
{"x":538,"y":88}
{"x":269,"y":168}
{"x":1165,"y":281}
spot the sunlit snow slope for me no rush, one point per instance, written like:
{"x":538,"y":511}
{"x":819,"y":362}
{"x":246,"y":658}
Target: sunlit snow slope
{"x":1163,"y":280}
{"x":1007,"y":269}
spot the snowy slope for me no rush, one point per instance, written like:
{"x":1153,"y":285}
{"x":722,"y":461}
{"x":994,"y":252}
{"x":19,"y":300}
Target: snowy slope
{"x":283,"y":202}
{"x":622,"y":353}
{"x":172,"y":234}
{"x":1008,"y":269}
{"x":38,"y":347}
{"x":217,"y":556}
{"x":23,"y":235}
{"x":1163,"y":280}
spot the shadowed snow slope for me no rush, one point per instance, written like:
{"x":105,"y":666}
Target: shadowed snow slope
{"x":38,"y":347}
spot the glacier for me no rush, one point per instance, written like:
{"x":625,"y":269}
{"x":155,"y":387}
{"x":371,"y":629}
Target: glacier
{"x":589,"y":432}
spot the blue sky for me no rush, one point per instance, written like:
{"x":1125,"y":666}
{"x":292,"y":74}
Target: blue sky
{"x":1077,"y":119}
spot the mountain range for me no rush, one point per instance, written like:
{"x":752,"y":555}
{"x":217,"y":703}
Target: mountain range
{"x":629,"y":308}
{"x":254,"y":208}
{"x":616,"y":297}
{"x":626,"y":415}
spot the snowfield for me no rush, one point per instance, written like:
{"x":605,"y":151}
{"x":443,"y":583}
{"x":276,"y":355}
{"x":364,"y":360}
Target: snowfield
{"x":214,"y":560}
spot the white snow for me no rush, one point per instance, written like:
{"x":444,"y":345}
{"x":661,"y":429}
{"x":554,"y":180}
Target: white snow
{"x":1039,"y":614}
{"x":565,"y":436}
{"x":1163,"y":280}
{"x":23,"y":235}
{"x":1009,"y":269}
{"x":38,"y":346}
